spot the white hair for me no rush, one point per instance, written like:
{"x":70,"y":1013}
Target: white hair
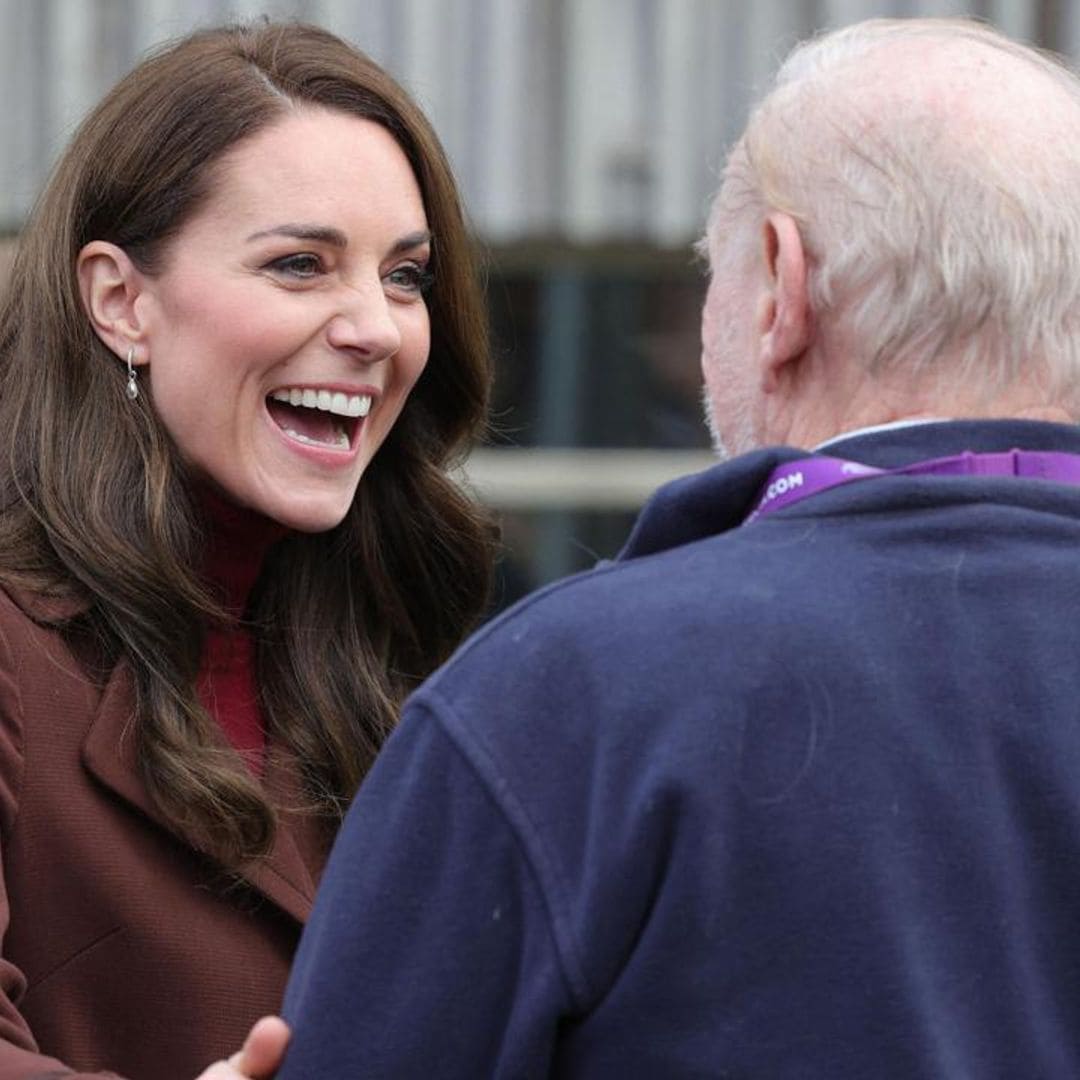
{"x":940,"y":209}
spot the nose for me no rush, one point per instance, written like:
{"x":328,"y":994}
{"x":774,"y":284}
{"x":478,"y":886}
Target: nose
{"x":364,"y":324}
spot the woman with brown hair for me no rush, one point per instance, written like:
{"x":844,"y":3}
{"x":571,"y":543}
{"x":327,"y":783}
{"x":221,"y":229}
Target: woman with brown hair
{"x":247,"y":275}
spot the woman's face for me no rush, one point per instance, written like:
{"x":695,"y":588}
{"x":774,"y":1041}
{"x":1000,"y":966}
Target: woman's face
{"x":288,"y":327}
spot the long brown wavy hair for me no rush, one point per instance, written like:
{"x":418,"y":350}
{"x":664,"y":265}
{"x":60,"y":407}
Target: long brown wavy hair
{"x":94,"y":499}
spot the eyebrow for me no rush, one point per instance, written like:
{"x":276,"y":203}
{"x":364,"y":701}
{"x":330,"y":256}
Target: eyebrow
{"x":323,"y":234}
{"x":411,"y":240}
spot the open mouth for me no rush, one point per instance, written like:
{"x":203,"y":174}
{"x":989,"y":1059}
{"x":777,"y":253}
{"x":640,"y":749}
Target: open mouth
{"x":324,"y":418}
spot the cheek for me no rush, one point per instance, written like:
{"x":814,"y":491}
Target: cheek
{"x":407,"y":366}
{"x":416,"y":369}
{"x":710,"y":321}
{"x":708,"y":344}
{"x":228,"y":319}
{"x":413,"y":355}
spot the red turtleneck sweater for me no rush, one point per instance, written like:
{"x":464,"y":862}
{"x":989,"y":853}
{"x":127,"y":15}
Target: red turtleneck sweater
{"x":237,"y":543}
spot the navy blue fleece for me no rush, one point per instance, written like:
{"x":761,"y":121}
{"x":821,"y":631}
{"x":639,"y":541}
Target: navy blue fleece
{"x":799,"y":799}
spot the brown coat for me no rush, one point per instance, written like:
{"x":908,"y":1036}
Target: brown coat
{"x":123,"y":949}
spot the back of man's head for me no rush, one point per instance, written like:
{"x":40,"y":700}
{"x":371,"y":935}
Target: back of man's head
{"x":933,"y":168}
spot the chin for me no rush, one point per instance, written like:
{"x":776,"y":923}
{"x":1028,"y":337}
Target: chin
{"x":312,"y":523}
{"x":309,"y":517}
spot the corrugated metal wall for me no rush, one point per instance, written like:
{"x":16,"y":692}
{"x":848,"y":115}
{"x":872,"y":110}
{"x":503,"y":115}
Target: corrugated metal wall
{"x":581,"y":120}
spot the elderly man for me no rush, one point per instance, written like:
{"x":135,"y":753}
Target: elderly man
{"x":792,"y":788}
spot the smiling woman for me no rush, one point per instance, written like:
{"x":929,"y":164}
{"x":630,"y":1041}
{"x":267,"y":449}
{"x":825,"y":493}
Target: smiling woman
{"x":242,"y":344}
{"x":266,"y":340}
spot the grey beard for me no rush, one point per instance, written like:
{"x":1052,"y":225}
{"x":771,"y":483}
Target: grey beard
{"x":739,"y":437}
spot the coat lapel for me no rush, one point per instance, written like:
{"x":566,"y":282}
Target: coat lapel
{"x":109,"y":753}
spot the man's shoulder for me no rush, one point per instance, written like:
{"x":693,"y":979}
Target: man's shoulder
{"x":677,"y":622}
{"x":616,"y":595}
{"x":698,"y":606}
{"x":688,"y":528}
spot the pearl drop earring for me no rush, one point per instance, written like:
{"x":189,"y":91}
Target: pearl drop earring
{"x":132,"y":385}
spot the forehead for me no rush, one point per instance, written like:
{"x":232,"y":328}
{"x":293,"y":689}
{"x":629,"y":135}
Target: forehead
{"x":317,"y":166}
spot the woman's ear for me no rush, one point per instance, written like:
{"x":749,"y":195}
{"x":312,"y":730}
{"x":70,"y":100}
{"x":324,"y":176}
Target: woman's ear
{"x":785,"y":325}
{"x":110,"y":285}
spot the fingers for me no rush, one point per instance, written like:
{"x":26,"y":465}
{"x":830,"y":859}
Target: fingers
{"x":220,"y":1070}
{"x":262,"y":1052}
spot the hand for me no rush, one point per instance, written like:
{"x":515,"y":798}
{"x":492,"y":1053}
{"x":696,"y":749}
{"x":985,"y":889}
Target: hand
{"x":260,"y":1055}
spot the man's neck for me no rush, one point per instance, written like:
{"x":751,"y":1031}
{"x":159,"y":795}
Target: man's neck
{"x":870,"y":429}
{"x":821,"y":435}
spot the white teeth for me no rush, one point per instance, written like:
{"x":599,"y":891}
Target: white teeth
{"x":326,"y":401}
{"x":302,"y":438}
{"x":341,"y":439}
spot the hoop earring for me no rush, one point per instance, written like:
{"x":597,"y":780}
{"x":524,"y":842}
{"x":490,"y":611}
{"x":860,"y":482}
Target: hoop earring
{"x":132,"y":385}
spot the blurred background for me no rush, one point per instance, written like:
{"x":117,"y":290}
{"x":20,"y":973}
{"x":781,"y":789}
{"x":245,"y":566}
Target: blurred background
{"x":587,"y":136}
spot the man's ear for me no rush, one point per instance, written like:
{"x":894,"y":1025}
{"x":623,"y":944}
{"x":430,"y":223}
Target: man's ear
{"x":110,"y":285}
{"x":785,"y":322}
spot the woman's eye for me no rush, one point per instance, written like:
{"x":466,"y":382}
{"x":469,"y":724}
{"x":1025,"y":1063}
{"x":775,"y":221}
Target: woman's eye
{"x":410,"y":278}
{"x":297,"y":266}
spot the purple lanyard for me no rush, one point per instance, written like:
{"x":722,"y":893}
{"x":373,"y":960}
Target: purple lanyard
{"x":798,"y":480}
